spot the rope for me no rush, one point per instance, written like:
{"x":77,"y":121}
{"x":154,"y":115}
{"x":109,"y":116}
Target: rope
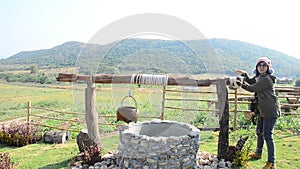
{"x":149,"y":79}
{"x":131,"y":82}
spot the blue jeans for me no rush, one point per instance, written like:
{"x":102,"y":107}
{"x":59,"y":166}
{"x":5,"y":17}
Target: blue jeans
{"x":264,"y":131}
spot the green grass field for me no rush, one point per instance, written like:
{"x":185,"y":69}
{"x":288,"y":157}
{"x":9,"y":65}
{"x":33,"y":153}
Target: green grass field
{"x":13,"y":102}
{"x":51,"y":156}
{"x":55,"y":156}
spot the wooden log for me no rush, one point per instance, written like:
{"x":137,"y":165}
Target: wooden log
{"x":109,"y":78}
{"x":56,"y":137}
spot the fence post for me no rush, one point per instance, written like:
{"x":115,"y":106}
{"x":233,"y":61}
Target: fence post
{"x":91,"y":115}
{"x":28,"y":111}
{"x":162,"y":117}
{"x":223,"y":108}
{"x":235,"y":109}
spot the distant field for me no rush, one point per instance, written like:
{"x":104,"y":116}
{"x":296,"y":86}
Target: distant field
{"x":14,"y":99}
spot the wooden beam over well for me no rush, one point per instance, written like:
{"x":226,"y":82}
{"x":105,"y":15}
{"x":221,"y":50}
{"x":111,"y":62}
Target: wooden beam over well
{"x":109,"y":78}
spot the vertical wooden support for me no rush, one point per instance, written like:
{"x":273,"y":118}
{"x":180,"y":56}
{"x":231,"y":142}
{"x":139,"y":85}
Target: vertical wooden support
{"x":223,"y":108}
{"x":162,"y":117}
{"x":28,"y":111}
{"x":91,"y":116}
{"x":235,"y":109}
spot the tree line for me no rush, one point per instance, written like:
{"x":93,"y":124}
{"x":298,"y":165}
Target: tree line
{"x":34,"y":76}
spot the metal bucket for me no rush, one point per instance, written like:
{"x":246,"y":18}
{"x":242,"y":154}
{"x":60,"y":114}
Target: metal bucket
{"x":128,"y":113}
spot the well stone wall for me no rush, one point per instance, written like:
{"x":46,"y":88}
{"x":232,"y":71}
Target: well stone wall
{"x":158,"y":144}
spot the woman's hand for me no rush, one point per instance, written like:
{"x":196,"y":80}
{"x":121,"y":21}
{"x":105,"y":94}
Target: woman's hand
{"x":240,"y":72}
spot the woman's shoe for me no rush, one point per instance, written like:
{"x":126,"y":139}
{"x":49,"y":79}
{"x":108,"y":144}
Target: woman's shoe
{"x":269,"y":165}
{"x":254,"y":155}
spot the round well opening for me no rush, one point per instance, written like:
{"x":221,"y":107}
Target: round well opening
{"x":160,"y":130}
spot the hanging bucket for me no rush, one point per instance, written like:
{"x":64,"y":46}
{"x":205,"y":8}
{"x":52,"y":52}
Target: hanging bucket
{"x":128,"y":113}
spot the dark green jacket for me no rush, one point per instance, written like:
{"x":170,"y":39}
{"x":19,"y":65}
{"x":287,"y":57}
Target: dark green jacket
{"x":267,"y":104}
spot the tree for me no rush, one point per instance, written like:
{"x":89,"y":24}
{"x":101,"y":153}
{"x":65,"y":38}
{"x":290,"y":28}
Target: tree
{"x":34,"y":69}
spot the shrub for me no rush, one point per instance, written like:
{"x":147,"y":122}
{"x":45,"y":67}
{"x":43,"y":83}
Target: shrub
{"x":5,"y":161}
{"x":19,"y":134}
{"x":288,"y":123}
{"x":238,"y":154}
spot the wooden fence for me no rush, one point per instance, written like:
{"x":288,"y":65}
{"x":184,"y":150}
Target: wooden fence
{"x":235,"y":98}
{"x":30,"y":117}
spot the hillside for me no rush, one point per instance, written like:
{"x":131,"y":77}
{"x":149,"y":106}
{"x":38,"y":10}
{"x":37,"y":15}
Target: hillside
{"x":158,"y":56}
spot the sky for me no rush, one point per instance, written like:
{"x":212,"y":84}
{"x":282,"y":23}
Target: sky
{"x":43,"y":24}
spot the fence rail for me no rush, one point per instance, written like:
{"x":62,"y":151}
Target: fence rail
{"x":30,"y":115}
{"x":237,"y":98}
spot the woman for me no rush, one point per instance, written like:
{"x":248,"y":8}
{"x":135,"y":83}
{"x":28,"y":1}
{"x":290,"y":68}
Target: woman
{"x":267,"y":106}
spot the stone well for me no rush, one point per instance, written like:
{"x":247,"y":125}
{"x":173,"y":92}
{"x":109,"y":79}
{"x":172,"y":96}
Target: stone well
{"x":158,"y":144}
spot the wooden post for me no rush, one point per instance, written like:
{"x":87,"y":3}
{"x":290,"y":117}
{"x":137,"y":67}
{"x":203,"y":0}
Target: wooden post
{"x":235,"y":109}
{"x":28,"y":111}
{"x":223,"y":108}
{"x":162,"y":117}
{"x":91,"y":116}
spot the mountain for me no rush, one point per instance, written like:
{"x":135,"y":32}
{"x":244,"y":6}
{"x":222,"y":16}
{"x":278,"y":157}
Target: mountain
{"x":60,"y":56}
{"x":158,"y":56}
